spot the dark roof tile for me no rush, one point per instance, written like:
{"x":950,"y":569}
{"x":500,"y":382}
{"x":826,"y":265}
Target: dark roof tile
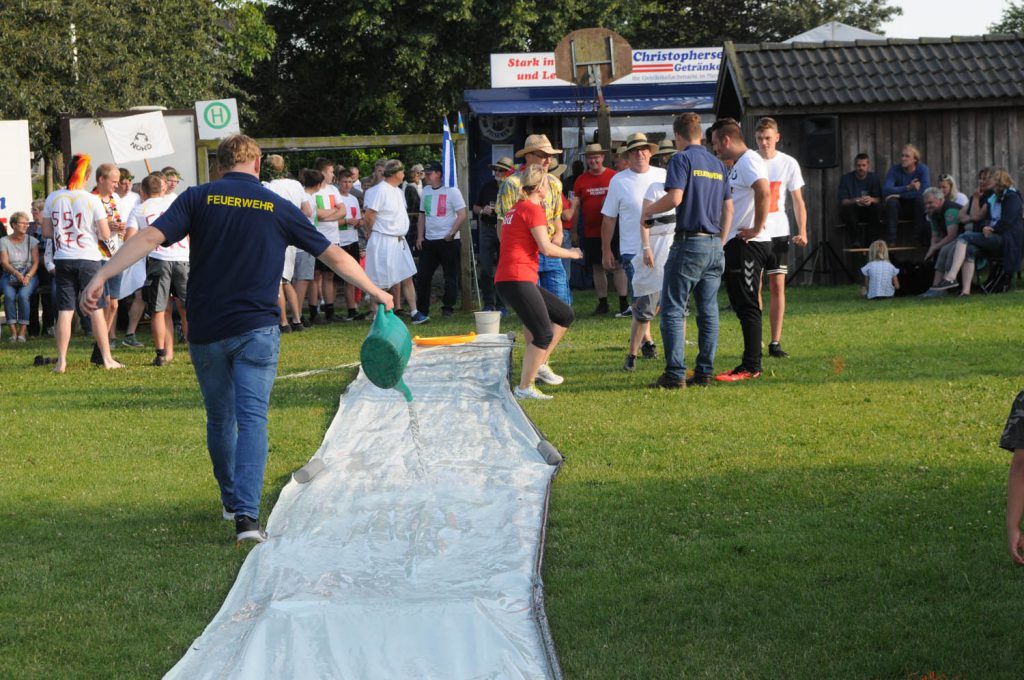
{"x":882,"y":71}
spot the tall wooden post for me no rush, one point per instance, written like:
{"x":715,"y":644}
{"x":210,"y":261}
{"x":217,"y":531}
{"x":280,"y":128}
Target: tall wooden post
{"x":465,"y":232}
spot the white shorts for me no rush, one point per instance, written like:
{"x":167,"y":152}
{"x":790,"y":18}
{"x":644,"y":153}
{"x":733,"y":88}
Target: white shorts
{"x":289,"y":264}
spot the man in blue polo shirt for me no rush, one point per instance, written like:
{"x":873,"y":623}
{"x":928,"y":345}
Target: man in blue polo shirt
{"x":697,"y":186}
{"x":238,"y":231}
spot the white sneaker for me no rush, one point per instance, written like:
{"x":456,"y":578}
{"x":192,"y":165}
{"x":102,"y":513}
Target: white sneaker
{"x":228,"y":515}
{"x":530,"y":392}
{"x":549,"y":377}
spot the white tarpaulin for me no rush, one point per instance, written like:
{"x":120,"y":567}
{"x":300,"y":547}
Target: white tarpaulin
{"x":135,"y":138}
{"x":402,"y":560}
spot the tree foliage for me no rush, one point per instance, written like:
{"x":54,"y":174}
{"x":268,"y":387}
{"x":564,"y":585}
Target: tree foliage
{"x":1012,"y":20}
{"x":123,"y":55}
{"x":384,"y":66}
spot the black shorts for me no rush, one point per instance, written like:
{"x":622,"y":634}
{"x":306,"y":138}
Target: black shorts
{"x":72,"y":278}
{"x":592,"y":249}
{"x":778,"y":258}
{"x":537,"y":308}
{"x":1013,"y":433}
{"x":164,"y":278}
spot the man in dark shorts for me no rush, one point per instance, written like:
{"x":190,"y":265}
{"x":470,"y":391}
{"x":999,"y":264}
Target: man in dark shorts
{"x":238,"y":231}
{"x":588,"y":195}
{"x":697,"y":185}
{"x":1013,"y":440}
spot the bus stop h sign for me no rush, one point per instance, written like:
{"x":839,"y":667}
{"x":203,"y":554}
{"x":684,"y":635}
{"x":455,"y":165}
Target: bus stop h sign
{"x":217,"y":119}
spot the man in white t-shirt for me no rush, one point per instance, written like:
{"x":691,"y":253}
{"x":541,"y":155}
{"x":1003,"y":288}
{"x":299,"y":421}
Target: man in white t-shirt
{"x":784,"y":177}
{"x":107,"y":178}
{"x":128,"y":200}
{"x":624,"y":201}
{"x":348,"y":239}
{"x":290,"y":190}
{"x":76,"y":221}
{"x":442,"y":212}
{"x":389,"y":262}
{"x":330,"y":212}
{"x":166,"y":269}
{"x":749,"y":243}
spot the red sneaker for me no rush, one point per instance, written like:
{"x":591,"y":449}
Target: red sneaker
{"x":737,"y":374}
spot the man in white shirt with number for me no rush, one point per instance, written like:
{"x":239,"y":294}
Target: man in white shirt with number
{"x":749,"y":243}
{"x":784,"y":177}
{"x":442,"y":212}
{"x":624,"y":201}
{"x":330,"y":211}
{"x":77,"y":221}
{"x":166,"y":270}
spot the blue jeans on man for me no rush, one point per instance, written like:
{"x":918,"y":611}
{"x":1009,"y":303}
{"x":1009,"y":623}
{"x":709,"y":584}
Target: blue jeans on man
{"x":235,"y":376}
{"x":694,"y":265}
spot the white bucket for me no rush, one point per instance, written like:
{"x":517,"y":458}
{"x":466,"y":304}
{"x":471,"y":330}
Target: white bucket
{"x":488,"y":322}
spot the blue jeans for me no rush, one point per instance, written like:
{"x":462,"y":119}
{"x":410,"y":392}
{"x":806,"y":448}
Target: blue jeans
{"x":552,"y":278}
{"x":235,"y":376}
{"x":693,"y":266}
{"x":16,"y":300}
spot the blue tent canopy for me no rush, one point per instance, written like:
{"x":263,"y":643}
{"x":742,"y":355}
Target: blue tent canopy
{"x":621,"y":99}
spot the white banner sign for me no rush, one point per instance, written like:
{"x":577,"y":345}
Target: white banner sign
{"x":217,"y":118}
{"x":135,"y":138}
{"x":670,"y":65}
{"x":15,"y":170}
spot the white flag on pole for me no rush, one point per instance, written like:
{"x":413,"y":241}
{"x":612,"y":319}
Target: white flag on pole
{"x":136,"y":138}
{"x":449,"y":175}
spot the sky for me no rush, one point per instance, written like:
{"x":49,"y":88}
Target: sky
{"x":943,"y":18}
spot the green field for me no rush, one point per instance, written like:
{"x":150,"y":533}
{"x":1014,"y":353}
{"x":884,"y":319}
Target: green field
{"x":842,"y":517}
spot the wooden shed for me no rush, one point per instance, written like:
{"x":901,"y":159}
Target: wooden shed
{"x":960,"y":100}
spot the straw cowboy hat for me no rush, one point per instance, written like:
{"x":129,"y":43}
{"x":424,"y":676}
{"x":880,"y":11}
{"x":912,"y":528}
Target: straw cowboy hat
{"x":537,"y":143}
{"x":666,"y":148}
{"x":504,"y":164}
{"x":594,"y":150}
{"x":638,"y":140}
{"x":557,"y":170}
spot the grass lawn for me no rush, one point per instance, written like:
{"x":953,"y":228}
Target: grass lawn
{"x":842,"y":517}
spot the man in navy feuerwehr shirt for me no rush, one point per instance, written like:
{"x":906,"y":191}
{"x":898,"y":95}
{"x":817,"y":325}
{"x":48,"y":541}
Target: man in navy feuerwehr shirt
{"x":697,"y":185}
{"x":238,"y":231}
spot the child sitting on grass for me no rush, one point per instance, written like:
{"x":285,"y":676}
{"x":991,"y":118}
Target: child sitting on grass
{"x":880,"y":276}
{"x":1013,"y":440}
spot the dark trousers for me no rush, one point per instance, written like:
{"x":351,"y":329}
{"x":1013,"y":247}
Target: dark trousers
{"x":744,"y":263}
{"x":861,"y":222}
{"x":434,"y":253}
{"x":490,"y":248}
{"x":907,"y":209}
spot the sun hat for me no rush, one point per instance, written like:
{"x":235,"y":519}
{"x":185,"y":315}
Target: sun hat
{"x":537,"y":143}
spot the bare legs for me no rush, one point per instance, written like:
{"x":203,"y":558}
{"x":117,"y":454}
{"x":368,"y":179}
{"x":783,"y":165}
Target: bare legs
{"x":63,"y":336}
{"x":534,"y":357}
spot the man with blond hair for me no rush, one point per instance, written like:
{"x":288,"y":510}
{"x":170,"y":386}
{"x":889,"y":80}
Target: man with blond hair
{"x":238,"y":231}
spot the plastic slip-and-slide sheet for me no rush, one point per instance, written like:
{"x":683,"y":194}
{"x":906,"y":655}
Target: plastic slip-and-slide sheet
{"x":402,"y":558}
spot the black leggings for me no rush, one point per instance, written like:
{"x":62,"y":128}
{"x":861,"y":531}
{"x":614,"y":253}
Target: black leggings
{"x":537,"y":309}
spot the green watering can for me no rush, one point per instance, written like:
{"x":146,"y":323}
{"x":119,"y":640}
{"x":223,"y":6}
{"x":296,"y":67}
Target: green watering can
{"x":385,"y":352}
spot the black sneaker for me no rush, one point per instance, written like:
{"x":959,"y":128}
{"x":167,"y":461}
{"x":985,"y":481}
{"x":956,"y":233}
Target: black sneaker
{"x":667,"y":382}
{"x":160,"y":361}
{"x":602,"y":308}
{"x":97,"y":355}
{"x":649,"y":350}
{"x":630,"y":364}
{"x":285,"y":328}
{"x":699,"y":381}
{"x":625,"y":313}
{"x":775,"y":350}
{"x":297,"y":326}
{"x":130,"y":341}
{"x":248,"y":529}
{"x":945,"y":284}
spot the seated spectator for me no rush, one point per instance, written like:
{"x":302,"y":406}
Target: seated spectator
{"x":902,"y":193}
{"x":19,"y":257}
{"x":948,"y":186}
{"x":881,"y":278}
{"x":944,"y":217}
{"x":1003,"y":237}
{"x":860,"y":200}
{"x":974,"y":215}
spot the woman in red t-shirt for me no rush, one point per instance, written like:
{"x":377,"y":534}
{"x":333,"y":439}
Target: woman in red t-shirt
{"x":524,"y":234}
